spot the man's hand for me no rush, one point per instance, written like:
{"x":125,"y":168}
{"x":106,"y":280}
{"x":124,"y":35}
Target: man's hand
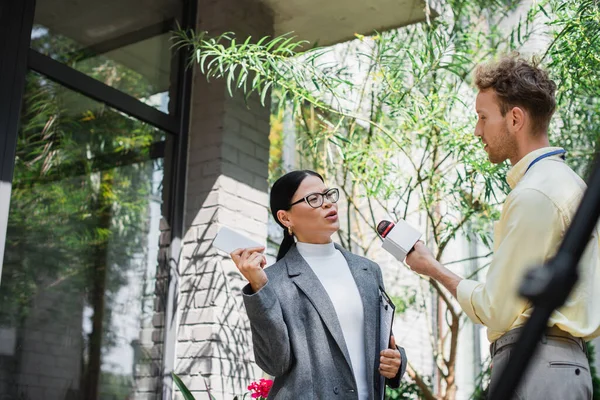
{"x":421,"y":259}
{"x":251,"y":262}
{"x":390,"y":360}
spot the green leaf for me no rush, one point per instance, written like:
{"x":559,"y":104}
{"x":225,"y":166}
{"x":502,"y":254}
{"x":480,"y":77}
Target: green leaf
{"x":262,"y":40}
{"x":283,"y":47}
{"x":230,"y":78}
{"x":208,"y":391}
{"x":215,"y":61}
{"x":245,"y":44}
{"x":242,"y":76}
{"x":273,"y":42}
{"x":265,"y":90}
{"x":187,"y":395}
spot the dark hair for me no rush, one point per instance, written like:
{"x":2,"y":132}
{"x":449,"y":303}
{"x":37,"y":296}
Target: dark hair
{"x":518,"y":82}
{"x":282,"y":193}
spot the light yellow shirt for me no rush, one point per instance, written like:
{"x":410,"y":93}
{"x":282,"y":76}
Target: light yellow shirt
{"x":534,"y":219}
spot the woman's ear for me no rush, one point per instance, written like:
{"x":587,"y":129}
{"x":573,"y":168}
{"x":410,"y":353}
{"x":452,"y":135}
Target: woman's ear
{"x":284,"y":217}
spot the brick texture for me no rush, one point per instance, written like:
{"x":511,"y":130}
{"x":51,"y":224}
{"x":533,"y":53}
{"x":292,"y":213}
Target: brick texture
{"x":149,"y":347}
{"x":226,"y":186}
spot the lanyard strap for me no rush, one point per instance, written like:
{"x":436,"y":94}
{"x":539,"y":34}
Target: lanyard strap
{"x":552,"y":153}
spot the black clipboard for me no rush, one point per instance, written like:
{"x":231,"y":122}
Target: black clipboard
{"x":387,"y":309}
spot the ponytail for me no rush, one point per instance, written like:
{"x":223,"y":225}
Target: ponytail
{"x":286,"y":244}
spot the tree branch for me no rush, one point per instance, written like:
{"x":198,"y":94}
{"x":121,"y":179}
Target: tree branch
{"x":469,"y":259}
{"x":443,"y":295}
{"x":453,"y":231}
{"x":425,"y":390}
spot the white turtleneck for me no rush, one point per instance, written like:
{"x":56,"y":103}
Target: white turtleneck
{"x":332,"y":269}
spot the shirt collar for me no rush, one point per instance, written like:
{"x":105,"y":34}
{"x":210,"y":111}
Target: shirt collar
{"x":316,"y":250}
{"x":516,"y":173}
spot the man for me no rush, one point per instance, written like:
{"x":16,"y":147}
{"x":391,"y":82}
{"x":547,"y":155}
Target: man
{"x":514,"y":105}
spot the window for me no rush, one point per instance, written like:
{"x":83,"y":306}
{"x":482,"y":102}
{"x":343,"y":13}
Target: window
{"x":93,"y":172}
{"x":78,"y":279}
{"x":122,"y":43}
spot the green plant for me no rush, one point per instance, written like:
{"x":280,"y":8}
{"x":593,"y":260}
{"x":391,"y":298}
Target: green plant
{"x":572,"y":58}
{"x":591,"y":352}
{"x":187,"y":395}
{"x":260,"y":389}
{"x":406,"y":390}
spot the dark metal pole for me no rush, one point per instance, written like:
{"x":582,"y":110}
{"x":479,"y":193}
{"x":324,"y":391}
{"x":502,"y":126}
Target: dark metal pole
{"x":16,"y":21}
{"x":177,"y":201}
{"x":548,"y":287}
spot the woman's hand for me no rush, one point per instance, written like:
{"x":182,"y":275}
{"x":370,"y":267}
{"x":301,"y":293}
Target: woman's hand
{"x":251,"y":262}
{"x":390,"y":360}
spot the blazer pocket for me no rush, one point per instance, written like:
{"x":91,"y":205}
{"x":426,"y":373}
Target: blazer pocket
{"x":566,"y":364}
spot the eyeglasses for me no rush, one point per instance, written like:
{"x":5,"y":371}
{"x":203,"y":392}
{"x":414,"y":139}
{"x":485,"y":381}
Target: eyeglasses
{"x":315,"y":200}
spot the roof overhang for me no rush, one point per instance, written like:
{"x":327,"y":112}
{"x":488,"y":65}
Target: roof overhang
{"x":327,"y":22}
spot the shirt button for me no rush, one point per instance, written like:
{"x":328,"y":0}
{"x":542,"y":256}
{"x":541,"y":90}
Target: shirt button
{"x":336,"y":390}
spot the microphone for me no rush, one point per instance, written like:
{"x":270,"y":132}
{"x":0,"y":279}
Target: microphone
{"x":398,"y":239}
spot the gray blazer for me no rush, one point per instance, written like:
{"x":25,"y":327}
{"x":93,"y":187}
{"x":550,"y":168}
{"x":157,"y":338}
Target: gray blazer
{"x":297,"y":336}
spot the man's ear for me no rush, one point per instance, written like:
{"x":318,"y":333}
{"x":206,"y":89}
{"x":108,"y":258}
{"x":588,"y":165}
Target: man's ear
{"x":517,"y":119}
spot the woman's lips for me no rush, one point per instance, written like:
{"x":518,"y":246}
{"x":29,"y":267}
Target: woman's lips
{"x":331,"y":217}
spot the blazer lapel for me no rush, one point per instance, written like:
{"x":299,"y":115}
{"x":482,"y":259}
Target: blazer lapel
{"x":369,"y":292}
{"x":304,"y":277}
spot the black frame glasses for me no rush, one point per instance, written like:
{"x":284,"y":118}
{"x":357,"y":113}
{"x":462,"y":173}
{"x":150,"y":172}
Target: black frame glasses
{"x":333,"y":193}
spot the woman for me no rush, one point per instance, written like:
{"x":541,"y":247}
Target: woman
{"x":314,"y":313}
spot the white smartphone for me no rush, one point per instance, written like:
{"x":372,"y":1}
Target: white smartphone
{"x":229,"y":240}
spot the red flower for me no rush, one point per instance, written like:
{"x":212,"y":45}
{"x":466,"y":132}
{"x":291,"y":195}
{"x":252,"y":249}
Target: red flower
{"x":260,"y":389}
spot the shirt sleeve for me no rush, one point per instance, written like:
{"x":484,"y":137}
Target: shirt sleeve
{"x":531,"y":227}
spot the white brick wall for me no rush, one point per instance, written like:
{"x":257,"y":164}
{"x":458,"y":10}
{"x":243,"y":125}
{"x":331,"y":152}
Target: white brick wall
{"x":151,"y":338}
{"x":226,"y":186}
